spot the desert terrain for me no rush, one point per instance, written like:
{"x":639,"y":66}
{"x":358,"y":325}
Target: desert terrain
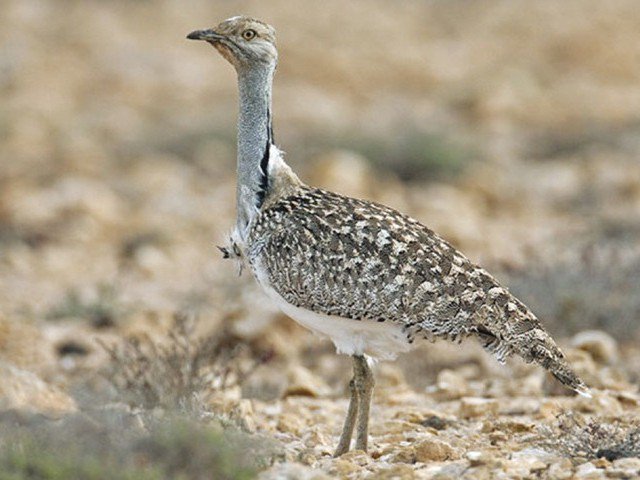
{"x":129,"y":349}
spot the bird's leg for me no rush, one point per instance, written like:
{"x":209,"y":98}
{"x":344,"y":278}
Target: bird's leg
{"x":364,"y":386}
{"x":350,"y":421}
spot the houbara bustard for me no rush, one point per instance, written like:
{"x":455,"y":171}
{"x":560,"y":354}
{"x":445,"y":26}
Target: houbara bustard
{"x":368,"y":277}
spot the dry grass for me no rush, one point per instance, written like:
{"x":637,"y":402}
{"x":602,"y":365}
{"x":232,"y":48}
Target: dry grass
{"x":182,"y":371}
{"x":577,"y":437}
{"x":98,"y":447}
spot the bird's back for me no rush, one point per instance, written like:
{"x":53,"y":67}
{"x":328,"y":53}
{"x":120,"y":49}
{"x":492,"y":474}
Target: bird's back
{"x":364,"y":262}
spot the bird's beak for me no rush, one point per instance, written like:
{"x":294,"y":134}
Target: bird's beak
{"x":208,"y":35}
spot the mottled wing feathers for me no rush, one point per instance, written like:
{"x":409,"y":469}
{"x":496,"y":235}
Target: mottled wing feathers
{"x":360,"y":260}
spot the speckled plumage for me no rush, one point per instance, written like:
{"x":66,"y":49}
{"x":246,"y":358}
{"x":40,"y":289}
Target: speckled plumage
{"x":364,"y":261}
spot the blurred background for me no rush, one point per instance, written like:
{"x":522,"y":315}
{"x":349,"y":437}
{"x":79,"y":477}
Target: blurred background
{"x":512,"y":128}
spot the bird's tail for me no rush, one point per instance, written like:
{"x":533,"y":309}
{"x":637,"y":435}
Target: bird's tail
{"x":546,"y":353}
{"x":519,"y":332}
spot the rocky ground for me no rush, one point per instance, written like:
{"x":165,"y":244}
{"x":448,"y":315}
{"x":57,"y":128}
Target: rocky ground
{"x":509,"y":127}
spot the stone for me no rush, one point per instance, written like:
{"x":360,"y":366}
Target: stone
{"x":601,"y":462}
{"x":23,"y":390}
{"x":498,"y":437}
{"x":513,"y":426}
{"x":588,"y":471}
{"x":344,"y":468}
{"x":436,"y":422}
{"x":451,"y":385}
{"x":243,"y":414}
{"x":24,"y":345}
{"x":357,"y":457}
{"x":389,"y":376}
{"x":392,"y":427}
{"x":471,"y":407}
{"x":432,"y":450}
{"x":150,"y":259}
{"x":478,"y":458}
{"x":290,"y":423}
{"x":395,"y":472}
{"x":625,"y":468}
{"x":314,"y":437}
{"x":302,"y":382}
{"x":403,"y":454}
{"x":292,"y":471}
{"x":602,"y":347}
{"x":523,"y":466}
{"x":561,"y":470}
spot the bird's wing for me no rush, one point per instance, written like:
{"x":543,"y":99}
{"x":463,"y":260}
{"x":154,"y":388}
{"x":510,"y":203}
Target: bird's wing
{"x":364,"y":261}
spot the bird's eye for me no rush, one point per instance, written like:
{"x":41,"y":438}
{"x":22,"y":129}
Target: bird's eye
{"x":248,"y":34}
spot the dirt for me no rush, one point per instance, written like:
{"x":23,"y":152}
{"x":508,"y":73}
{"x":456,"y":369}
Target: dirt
{"x":117,"y":149}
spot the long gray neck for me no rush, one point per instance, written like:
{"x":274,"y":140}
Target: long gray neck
{"x":254,"y":139}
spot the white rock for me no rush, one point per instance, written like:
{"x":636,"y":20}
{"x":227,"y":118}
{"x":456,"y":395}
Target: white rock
{"x":588,"y":471}
{"x":303,"y":382}
{"x":478,"y":458}
{"x":292,"y":471}
{"x":478,"y":407}
{"x":625,"y":468}
{"x":451,"y":385}
{"x":600,"y":345}
{"x":23,"y":390}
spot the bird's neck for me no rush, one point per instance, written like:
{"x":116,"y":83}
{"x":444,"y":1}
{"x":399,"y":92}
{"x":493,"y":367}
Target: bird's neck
{"x":255,"y":137}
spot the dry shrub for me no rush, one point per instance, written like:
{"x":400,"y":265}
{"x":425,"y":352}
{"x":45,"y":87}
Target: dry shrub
{"x":573,"y":435}
{"x":182,"y":371}
{"x":83,"y":446}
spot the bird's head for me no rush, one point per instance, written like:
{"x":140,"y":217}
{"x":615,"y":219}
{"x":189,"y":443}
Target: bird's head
{"x":243,"y":41}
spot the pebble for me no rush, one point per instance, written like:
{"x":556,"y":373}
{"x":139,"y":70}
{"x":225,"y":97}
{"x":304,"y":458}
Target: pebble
{"x":478,"y":458}
{"x":432,"y":450}
{"x":477,"y":407}
{"x":292,"y":471}
{"x":508,"y":425}
{"x":314,"y":437}
{"x":402,"y":454}
{"x":24,"y":345}
{"x":523,"y":466}
{"x":601,"y":346}
{"x":395,"y":472}
{"x":392,"y":427}
{"x":561,"y":470}
{"x":498,"y":437}
{"x":301,"y":381}
{"x":23,"y":390}
{"x":357,"y":457}
{"x":625,"y":468}
{"x":588,"y":471}
{"x":290,"y":423}
{"x":244,"y":415}
{"x":344,"y":468}
{"x":451,"y":385}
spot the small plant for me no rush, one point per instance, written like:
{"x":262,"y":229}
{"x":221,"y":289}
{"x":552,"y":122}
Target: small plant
{"x":575,"y":436}
{"x":101,"y":312}
{"x":181,"y":371}
{"x":88,"y":448}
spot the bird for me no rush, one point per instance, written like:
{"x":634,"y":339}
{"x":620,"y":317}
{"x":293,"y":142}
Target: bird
{"x":371,"y":279}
